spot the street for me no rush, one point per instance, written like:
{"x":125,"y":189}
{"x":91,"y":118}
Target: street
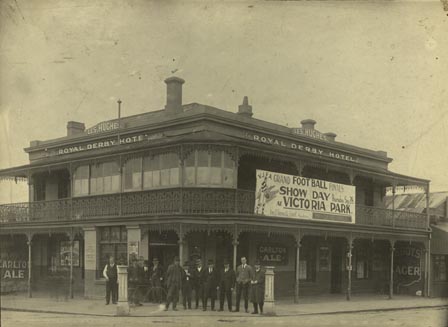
{"x":433,"y":317}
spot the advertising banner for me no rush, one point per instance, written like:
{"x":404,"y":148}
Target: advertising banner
{"x":290,"y":196}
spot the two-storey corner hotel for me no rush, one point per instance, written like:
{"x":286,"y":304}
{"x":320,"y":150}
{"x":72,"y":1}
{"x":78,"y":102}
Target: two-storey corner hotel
{"x":196,"y":181}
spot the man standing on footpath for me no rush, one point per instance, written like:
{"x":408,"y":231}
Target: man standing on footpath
{"x":244,"y":274}
{"x":211,"y":287}
{"x":257,"y":288}
{"x":187,"y":286}
{"x":174,"y":276}
{"x":111,"y":274}
{"x":226,"y":286}
{"x":197,"y":275}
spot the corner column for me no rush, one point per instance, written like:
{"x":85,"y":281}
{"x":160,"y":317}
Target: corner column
{"x":235,"y":246}
{"x":391,"y":279}
{"x":298,"y":238}
{"x":181,"y":244}
{"x":72,"y":238}
{"x":349,"y":268}
{"x":29,"y":237}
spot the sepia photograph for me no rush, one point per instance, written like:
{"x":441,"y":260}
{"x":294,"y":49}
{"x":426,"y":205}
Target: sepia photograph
{"x":224,"y":163}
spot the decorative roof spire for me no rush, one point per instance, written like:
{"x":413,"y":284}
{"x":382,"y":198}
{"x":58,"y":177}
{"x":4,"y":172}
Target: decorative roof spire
{"x":245,"y":109}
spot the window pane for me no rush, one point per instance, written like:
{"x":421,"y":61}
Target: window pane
{"x":169,"y":160}
{"x":156,"y":178}
{"x":228,"y":162}
{"x":122,"y":254}
{"x":82,"y":172}
{"x":189,"y":161}
{"x":107,"y":184}
{"x":215,"y":175}
{"x":174,"y":176}
{"x":147,"y":179}
{"x":165,"y":177}
{"x":132,"y":174}
{"x":124,"y":234}
{"x":203,"y":176}
{"x":105,"y":234}
{"x":215,"y":160}
{"x":189,"y":175}
{"x":151,"y":163}
{"x":115,"y":234}
{"x":228,"y":177}
{"x":202,"y":159}
{"x":115,"y":183}
{"x":137,"y":181}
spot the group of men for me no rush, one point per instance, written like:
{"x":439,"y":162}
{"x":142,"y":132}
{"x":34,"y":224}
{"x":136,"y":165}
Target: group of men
{"x":209,"y":283}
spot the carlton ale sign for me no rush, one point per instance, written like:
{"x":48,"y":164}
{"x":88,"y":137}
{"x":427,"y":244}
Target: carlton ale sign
{"x":13,"y":269}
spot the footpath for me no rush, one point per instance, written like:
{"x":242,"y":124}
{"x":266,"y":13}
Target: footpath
{"x":284,"y":307}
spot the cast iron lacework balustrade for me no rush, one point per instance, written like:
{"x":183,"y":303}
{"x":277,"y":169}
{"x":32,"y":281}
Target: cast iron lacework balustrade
{"x":174,"y":201}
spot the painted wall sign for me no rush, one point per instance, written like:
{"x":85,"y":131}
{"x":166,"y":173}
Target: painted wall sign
{"x":407,"y":265}
{"x":103,"y":127}
{"x":301,"y":147}
{"x":299,"y":197}
{"x":312,"y":133}
{"x":13,"y":269}
{"x":106,"y":143}
{"x":272,"y":254}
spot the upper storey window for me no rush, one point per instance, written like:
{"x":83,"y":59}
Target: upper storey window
{"x":96,"y":179}
{"x":204,"y":168}
{"x":151,"y":172}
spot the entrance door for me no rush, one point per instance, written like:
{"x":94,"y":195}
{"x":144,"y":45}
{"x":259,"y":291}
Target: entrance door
{"x":336,"y":268}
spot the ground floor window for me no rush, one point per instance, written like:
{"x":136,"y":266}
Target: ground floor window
{"x":440,"y":267}
{"x":113,"y":242}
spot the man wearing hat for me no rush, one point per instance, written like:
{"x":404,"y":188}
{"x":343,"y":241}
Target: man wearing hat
{"x":211,"y":285}
{"x":226,"y":286}
{"x":243,"y":277}
{"x":187,"y":286}
{"x":257,"y":288}
{"x":156,"y":279}
{"x":174,"y":276}
{"x":197,"y":275}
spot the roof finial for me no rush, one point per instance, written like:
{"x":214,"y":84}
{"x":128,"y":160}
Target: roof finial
{"x":245,"y":109}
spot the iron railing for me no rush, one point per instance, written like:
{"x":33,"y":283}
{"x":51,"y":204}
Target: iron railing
{"x":177,"y":201}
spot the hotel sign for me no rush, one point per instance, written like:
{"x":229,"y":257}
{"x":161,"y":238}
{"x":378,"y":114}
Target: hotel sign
{"x":290,"y":196}
{"x":312,"y":133}
{"x":106,"y":143}
{"x":103,"y":127}
{"x":301,"y":147}
{"x":273,"y":254}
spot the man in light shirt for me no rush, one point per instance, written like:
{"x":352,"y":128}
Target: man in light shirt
{"x":111,"y":275}
{"x":244,"y":274}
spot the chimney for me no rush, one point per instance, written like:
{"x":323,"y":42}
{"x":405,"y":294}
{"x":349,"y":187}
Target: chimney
{"x":330,"y":136}
{"x":174,"y":95}
{"x":308,"y":124}
{"x":74,"y":128}
{"x":245,"y":109}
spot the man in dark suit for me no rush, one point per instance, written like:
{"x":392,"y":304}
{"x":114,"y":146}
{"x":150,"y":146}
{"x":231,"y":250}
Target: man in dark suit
{"x":243,"y":277}
{"x":197,"y":275}
{"x":156,"y":279}
{"x":257,"y":288}
{"x":187,"y":286}
{"x":174,"y":276}
{"x":226,"y":286}
{"x":211,"y":282}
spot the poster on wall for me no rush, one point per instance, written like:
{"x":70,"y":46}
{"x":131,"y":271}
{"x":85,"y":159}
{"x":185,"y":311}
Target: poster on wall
{"x":324,"y":258}
{"x":64,"y":253}
{"x":282,"y":195}
{"x":272,"y":254}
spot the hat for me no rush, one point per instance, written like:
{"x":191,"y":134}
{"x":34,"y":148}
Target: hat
{"x":226,"y":262}
{"x":155,"y":259}
{"x":176,"y":258}
{"x":198,"y":260}
{"x":186,"y":263}
{"x":257,"y":263}
{"x":145,"y":262}
{"x":210,"y":261}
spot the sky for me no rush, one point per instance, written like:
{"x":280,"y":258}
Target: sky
{"x":373,"y":72}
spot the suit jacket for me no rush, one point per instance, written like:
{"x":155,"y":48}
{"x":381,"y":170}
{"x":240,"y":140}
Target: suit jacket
{"x":197,"y":277}
{"x":187,"y":281}
{"x":174,"y":276}
{"x":155,"y":274}
{"x":211,"y":279}
{"x":257,"y":289}
{"x":244,"y":275}
{"x":227,"y":279}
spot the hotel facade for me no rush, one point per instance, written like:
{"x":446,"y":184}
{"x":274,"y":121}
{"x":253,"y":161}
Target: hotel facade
{"x":200,"y":182}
